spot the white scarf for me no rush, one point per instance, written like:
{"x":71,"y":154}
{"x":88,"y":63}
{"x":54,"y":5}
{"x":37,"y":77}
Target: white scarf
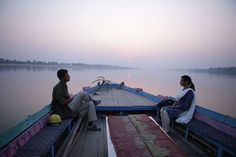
{"x":186,"y":116}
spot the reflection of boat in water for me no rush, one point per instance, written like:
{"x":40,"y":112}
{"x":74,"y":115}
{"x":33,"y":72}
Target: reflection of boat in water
{"x":126,"y":116}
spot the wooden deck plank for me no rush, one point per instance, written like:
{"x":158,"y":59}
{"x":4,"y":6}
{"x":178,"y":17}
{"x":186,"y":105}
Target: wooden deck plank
{"x":118,"y":97}
{"x":92,"y":143}
{"x":102,"y":145}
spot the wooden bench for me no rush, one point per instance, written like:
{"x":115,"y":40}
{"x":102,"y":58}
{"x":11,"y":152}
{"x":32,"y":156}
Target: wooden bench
{"x":33,"y":136}
{"x":215,"y":128}
{"x":44,"y":141}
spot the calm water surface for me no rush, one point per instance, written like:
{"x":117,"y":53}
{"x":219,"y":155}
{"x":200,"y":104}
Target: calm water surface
{"x":26,"y":90}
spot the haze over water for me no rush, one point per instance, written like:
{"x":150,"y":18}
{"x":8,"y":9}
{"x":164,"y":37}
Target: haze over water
{"x":24,"y":91}
{"x":153,"y":34}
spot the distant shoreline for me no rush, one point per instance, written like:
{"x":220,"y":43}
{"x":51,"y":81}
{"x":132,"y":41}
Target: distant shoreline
{"x":6,"y":63}
{"x":40,"y":64}
{"x":217,"y":70}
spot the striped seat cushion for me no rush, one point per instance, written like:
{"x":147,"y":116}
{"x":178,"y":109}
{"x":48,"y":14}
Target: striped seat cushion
{"x":212,"y":133}
{"x":40,"y":144}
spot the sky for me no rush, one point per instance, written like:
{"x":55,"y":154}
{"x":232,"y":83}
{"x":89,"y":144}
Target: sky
{"x":135,"y":33}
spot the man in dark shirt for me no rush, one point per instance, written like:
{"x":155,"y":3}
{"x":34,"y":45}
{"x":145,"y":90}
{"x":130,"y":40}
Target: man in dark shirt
{"x":66,"y":104}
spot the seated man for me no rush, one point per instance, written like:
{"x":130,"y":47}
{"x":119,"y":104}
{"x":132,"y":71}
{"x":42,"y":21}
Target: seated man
{"x":66,"y":105}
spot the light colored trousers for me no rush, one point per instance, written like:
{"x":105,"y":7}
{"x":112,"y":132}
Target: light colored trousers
{"x":83,"y":102}
{"x":165,"y":120}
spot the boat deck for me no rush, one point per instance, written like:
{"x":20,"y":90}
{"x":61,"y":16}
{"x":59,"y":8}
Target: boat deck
{"x":94,"y":143}
{"x":118,"y":98}
{"x":91,"y":143}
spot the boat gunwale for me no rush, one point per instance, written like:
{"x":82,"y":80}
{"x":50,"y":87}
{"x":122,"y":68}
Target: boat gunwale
{"x":13,"y":133}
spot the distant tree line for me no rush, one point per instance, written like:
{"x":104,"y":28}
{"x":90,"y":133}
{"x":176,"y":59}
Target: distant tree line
{"x":34,"y":62}
{"x":14,"y":61}
{"x":217,"y":70}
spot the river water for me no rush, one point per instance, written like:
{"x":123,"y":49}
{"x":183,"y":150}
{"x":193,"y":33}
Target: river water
{"x":25,"y":90}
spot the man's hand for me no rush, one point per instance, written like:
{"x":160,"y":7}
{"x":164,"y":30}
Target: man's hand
{"x":67,"y":101}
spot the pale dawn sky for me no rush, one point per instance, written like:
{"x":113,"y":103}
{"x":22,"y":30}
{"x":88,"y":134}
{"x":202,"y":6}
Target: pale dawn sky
{"x":137,"y":33}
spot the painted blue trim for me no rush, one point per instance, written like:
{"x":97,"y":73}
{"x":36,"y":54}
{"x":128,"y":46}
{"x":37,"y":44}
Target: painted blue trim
{"x":217,"y":116}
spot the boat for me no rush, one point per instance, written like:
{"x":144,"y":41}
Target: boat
{"x":129,"y":127}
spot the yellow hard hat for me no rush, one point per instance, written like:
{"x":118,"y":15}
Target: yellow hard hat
{"x":54,"y":119}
